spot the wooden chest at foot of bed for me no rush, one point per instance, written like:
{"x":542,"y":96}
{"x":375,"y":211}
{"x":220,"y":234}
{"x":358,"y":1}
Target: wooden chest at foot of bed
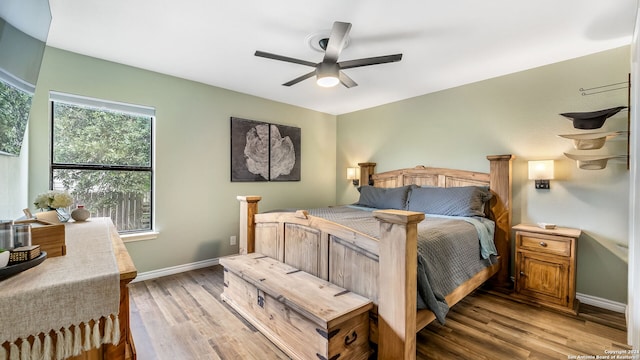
{"x":306,"y":317}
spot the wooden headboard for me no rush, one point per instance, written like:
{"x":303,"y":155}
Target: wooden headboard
{"x":498,"y":180}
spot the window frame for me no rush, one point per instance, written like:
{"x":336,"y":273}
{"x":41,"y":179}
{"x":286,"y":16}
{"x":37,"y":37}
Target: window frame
{"x":112,"y":106}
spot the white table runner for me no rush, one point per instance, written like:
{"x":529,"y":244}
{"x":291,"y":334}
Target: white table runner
{"x":65,"y":294}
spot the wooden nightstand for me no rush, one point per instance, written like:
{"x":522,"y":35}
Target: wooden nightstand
{"x":546,"y":266}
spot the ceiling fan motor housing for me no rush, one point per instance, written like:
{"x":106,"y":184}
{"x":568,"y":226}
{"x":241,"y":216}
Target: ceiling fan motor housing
{"x":327,"y":69}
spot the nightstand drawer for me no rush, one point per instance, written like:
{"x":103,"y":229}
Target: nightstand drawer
{"x":548,"y":244}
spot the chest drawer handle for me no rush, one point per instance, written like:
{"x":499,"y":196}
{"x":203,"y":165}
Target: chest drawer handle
{"x":350,"y":339}
{"x":543,"y":244}
{"x":522,"y":273}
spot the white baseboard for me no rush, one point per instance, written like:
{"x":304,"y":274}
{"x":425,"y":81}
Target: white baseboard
{"x":602,"y":303}
{"x":148,"y":275}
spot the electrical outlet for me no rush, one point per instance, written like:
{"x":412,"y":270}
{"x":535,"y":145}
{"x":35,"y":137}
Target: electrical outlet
{"x":232,"y":240}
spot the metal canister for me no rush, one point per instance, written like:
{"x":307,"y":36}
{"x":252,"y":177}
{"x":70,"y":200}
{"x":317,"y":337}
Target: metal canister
{"x":21,"y":235}
{"x":6,"y":234}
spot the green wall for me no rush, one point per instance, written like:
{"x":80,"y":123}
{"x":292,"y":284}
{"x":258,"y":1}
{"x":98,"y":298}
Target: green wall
{"x":514,"y":114}
{"x":196,"y":206}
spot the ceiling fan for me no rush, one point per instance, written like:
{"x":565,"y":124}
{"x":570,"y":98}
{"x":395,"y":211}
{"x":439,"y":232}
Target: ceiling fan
{"x":329,"y":71}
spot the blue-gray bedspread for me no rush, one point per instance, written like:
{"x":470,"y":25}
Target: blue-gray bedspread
{"x":451,"y":250}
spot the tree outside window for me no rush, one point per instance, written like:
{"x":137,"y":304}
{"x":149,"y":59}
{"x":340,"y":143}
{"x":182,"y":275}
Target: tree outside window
{"x":15,"y":104}
{"x":103,"y":157}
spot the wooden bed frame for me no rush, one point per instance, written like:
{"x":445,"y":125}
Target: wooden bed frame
{"x":366,"y":266}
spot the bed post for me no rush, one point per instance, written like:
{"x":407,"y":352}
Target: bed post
{"x":500,"y":184}
{"x":366,"y":170}
{"x":398,"y":258}
{"x":248,"y":208}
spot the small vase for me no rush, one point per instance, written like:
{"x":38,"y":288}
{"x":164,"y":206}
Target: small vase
{"x":63,"y":215}
{"x":80,"y":214}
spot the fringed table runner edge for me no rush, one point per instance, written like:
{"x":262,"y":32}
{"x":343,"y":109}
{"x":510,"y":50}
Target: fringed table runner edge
{"x":67,"y":342}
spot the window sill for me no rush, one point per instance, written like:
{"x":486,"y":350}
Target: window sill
{"x":141,"y":236}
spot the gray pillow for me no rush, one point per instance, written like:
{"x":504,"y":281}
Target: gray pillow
{"x":452,"y":201}
{"x":384,"y":198}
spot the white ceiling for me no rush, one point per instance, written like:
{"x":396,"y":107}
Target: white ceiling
{"x":444,"y":44}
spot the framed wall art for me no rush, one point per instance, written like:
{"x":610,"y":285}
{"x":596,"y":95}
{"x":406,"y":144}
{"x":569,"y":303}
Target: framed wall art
{"x":262,"y":151}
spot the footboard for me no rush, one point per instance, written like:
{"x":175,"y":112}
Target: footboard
{"x":320,"y":247}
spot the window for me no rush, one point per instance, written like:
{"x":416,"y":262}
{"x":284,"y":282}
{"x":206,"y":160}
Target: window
{"x":15,"y":104}
{"x":101,"y":153}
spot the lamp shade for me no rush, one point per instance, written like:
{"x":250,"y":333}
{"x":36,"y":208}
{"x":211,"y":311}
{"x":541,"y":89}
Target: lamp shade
{"x":352,"y":173}
{"x":541,"y":170}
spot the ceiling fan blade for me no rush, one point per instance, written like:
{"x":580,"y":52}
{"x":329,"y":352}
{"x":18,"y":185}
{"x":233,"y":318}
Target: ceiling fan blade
{"x":337,"y":39}
{"x":284,"y":58}
{"x":369,"y":61}
{"x":300,"y":78}
{"x":346,"y":80}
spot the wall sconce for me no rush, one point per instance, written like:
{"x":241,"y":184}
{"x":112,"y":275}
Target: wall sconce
{"x":353,"y":174}
{"x":541,"y":171}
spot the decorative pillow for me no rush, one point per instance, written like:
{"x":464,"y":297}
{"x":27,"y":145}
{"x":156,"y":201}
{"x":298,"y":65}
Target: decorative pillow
{"x":384,"y":198}
{"x":453,"y":201}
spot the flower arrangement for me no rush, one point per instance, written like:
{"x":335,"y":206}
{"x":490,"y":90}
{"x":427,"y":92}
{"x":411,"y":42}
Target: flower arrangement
{"x":53,"y":199}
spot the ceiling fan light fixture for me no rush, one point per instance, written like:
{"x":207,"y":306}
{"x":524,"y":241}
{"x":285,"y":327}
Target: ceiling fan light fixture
{"x":327,"y":75}
{"x":327,"y":81}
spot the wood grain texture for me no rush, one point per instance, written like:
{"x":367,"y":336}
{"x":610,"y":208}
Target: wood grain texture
{"x":125,"y":349}
{"x":302,"y":314}
{"x":50,"y":236}
{"x":248,"y":208}
{"x":546,"y":262}
{"x":397,"y":298}
{"x":500,"y":183}
{"x":182,"y":317}
{"x":366,"y":170}
{"x":348,"y":260}
{"x":303,"y":248}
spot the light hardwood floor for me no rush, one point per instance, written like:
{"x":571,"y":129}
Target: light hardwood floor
{"x":181,"y":317}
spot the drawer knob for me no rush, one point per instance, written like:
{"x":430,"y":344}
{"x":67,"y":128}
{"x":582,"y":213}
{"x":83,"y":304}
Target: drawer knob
{"x":522,"y":273}
{"x":543,"y":244}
